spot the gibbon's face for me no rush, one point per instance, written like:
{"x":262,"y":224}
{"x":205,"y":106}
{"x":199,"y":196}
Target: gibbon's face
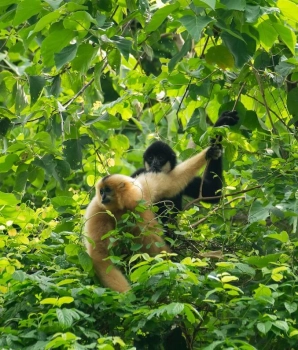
{"x":159,"y":157}
{"x":111,"y":190}
{"x":107,"y":195}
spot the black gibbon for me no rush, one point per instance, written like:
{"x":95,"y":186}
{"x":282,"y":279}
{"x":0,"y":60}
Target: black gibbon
{"x":159,"y":157}
{"x":118,"y":194}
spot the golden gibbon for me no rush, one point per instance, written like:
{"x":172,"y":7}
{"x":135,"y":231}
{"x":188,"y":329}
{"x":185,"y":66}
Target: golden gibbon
{"x":119,"y":194}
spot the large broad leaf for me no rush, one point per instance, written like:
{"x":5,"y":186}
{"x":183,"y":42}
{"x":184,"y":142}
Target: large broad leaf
{"x":289,"y":9}
{"x":6,"y":162}
{"x":286,"y":35}
{"x":238,"y":5}
{"x":25,"y":10}
{"x":267,"y":33}
{"x":37,"y":83}
{"x":72,"y":151}
{"x":292,"y":101}
{"x":205,"y":3}
{"x":123,"y":45}
{"x":83,"y":59}
{"x":47,"y":19}
{"x":8,"y":2}
{"x":5,"y":123}
{"x":195,"y":25}
{"x":57,"y":39}
{"x":8,"y":199}
{"x":159,"y":16}
{"x":221,"y":56}
{"x":241,"y":50}
{"x":65,"y":55}
{"x":258,"y":212}
{"x":183,"y":52}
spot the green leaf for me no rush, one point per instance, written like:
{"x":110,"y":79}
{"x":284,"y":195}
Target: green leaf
{"x":139,"y":272}
{"x":66,"y":55}
{"x":8,"y":2}
{"x":264,"y":327}
{"x":72,"y":151}
{"x":64,"y":318}
{"x":5,"y":124}
{"x":289,"y":9}
{"x":25,"y":10}
{"x":79,"y":21}
{"x":267,"y":35}
{"x":72,"y":249}
{"x":119,"y":142}
{"x":47,"y":19}
{"x":182,"y":53}
{"x":65,"y":300}
{"x":287,"y":35}
{"x":174,"y":308}
{"x":252,"y":13}
{"x":21,"y":98}
{"x":282,"y":237}
{"x":82,"y":61}
{"x":195,"y":25}
{"x":238,"y":5}
{"x":241,"y":50}
{"x":188,"y":310}
{"x":36,"y":83}
{"x":123,"y":45}
{"x":292,"y":101}
{"x":159,"y":16}
{"x":56,"y":40}
{"x":7,"y":162}
{"x":20,"y":182}
{"x":85,"y":261}
{"x":205,"y":3}
{"x":62,"y":201}
{"x":263,"y":261}
{"x":291,"y":307}
{"x":258,"y":212}
{"x":281,"y":325}
{"x":56,"y":86}
{"x":221,"y":56}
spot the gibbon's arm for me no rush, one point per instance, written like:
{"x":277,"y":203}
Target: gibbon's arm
{"x":166,"y":185}
{"x":213,"y":179}
{"x":99,"y":223}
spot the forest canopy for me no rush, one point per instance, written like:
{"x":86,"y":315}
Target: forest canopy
{"x":85,"y":87}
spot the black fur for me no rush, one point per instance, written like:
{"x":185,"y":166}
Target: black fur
{"x":159,"y":153}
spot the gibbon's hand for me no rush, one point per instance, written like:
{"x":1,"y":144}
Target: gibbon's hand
{"x":229,"y":118}
{"x":214,"y":152}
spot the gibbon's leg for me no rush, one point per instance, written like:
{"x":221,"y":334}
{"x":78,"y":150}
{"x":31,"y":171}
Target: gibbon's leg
{"x":99,"y":223}
{"x":107,"y":273}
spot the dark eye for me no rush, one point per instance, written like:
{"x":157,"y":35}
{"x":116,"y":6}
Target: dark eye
{"x":101,"y":191}
{"x":108,"y":190}
{"x":160,"y":157}
{"x":150,"y":158}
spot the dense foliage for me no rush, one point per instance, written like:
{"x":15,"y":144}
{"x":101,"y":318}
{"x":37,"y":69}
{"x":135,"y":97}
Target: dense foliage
{"x":85,"y":86}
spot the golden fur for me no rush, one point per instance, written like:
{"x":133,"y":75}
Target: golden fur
{"x":123,"y":194}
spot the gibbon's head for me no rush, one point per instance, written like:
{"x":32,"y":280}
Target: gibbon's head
{"x":159,"y":157}
{"x":117,"y":192}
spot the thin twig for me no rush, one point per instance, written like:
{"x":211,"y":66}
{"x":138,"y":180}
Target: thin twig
{"x":214,"y":211}
{"x":188,"y":205}
{"x":69,"y":102}
{"x":257,"y":75}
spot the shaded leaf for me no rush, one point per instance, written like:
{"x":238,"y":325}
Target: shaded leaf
{"x":195,"y":25}
{"x":66,"y":55}
{"x":36,"y":83}
{"x":159,"y":16}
